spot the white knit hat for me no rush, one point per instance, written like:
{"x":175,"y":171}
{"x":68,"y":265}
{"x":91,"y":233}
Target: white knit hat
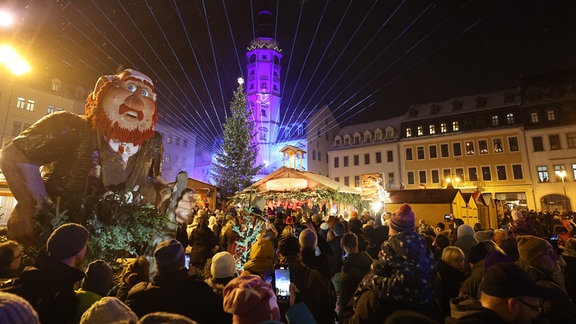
{"x":223,"y":265}
{"x":108,"y":310}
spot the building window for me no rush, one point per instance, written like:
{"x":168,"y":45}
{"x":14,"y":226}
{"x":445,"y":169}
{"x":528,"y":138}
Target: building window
{"x":469,"y":147}
{"x":483,"y":146}
{"x":432,"y":151}
{"x":408,"y":154}
{"x":513,"y":144}
{"x":574,"y":170}
{"x":356,"y":181}
{"x":319,"y":156}
{"x":314,"y":155}
{"x":378,"y":136}
{"x":337,"y":142}
{"x":455,"y":126}
{"x":410,"y":177}
{"x":510,"y":118}
{"x":389,"y":133}
{"x":444,"y":150}
{"x":356,"y":159}
{"x":420,"y":131}
{"x":367,"y":138}
{"x":432,"y":129}
{"x":517,"y":171}
{"x":497,"y":142}
{"x":30,"y":105}
{"x":345,"y":161}
{"x":534,"y":117}
{"x":435,"y":175}
{"x":420,"y":152}
{"x":551,"y":115}
{"x":473,"y":174}
{"x":337,"y":179}
{"x":543,"y":173}
{"x":169,"y":140}
{"x":346,"y":140}
{"x":447,"y":173}
{"x":390,"y":177}
{"x":558,"y":168}
{"x":389,"y":156}
{"x":51,"y":109}
{"x":263,"y":112}
{"x":16,"y":128}
{"x":538,"y":143}
{"x":336,"y":162}
{"x":443,"y":128}
{"x":495,"y":120}
{"x":459,"y":173}
{"x":486,"y":174}
{"x":367,"y":158}
{"x":554,"y":142}
{"x":408,"y":132}
{"x":346,"y":181}
{"x":501,"y":170}
{"x":422,"y":176}
{"x":356,"y":139}
{"x":378,"y":157}
{"x":571,"y":139}
{"x":21,"y":103}
{"x":456,"y":149}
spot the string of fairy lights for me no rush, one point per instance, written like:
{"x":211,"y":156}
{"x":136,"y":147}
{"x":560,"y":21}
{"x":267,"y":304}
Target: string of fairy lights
{"x":188,"y":105}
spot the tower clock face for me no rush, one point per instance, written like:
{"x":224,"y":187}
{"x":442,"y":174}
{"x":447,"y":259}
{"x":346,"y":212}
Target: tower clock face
{"x":263,"y":98}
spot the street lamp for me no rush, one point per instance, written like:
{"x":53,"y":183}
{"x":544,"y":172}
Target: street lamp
{"x":452,"y":182}
{"x":562,"y":175}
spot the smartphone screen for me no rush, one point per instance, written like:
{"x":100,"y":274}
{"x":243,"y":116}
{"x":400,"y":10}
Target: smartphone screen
{"x":187,"y":261}
{"x":282,"y":282}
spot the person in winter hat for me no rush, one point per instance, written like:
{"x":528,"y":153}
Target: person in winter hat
{"x":108,"y":310}
{"x":539,"y":259}
{"x":175,"y":289}
{"x":15,"y":309}
{"x":465,"y":241}
{"x":97,"y":283}
{"x":400,"y":279}
{"x":262,"y":254}
{"x":250,"y":300}
{"x":49,"y":285}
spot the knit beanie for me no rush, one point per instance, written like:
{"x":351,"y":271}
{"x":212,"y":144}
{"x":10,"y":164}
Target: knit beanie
{"x":251,"y":300}
{"x":477,"y":253}
{"x":495,"y":257}
{"x":403,"y":220}
{"x":308,"y":238}
{"x":481,"y":236}
{"x":169,"y":256}
{"x":288,"y":245}
{"x":339,"y":229}
{"x":531,"y":248}
{"x":67,"y":240}
{"x":99,"y":278}
{"x":223,"y":265}
{"x":165,"y":317}
{"x":15,"y":309}
{"x":108,"y":310}
{"x":465,"y":230}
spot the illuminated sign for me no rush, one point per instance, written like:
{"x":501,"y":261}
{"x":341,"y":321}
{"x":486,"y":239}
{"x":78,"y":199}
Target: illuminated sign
{"x":286,"y":184}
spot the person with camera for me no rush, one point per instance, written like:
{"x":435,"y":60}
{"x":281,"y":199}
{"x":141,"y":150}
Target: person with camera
{"x":315,"y":290}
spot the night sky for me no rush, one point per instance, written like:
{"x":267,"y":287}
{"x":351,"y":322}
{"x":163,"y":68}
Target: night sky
{"x":366,"y":59}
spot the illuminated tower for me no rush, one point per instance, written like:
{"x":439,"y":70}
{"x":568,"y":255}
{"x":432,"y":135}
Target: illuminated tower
{"x":263,"y":88}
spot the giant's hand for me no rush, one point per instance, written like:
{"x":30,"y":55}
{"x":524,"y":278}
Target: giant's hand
{"x":23,"y":177}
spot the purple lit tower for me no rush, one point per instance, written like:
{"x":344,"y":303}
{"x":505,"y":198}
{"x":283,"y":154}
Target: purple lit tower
{"x":263,"y":89}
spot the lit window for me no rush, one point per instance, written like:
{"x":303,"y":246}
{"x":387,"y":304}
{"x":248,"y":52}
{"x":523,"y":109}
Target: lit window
{"x":497,"y":145}
{"x":443,"y":128}
{"x":551,"y":115}
{"x":469,"y":147}
{"x":408,"y":132}
{"x":455,"y":126}
{"x":534,"y":117}
{"x":51,"y":109}
{"x":495,"y":120}
{"x":432,"y":129}
{"x":510,"y":118}
{"x":420,"y":131}
{"x":30,"y":105}
{"x":21,"y":103}
{"x":543,"y":173}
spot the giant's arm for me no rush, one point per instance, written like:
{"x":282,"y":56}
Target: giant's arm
{"x":23,"y":177}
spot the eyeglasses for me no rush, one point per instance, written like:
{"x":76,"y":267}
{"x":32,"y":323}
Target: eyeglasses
{"x":534,"y":308}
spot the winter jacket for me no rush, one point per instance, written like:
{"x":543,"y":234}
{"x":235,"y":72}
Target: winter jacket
{"x":467,"y":310}
{"x":400,"y":279}
{"x":337,"y":254}
{"x":471,"y":286}
{"x":558,"y":308}
{"x":450,"y":281}
{"x":315,"y":290}
{"x":176,"y":292}
{"x":202,"y":241}
{"x":49,"y":288}
{"x":570,"y":275}
{"x":261,"y":258}
{"x":355,"y":267}
{"x":85,"y":299}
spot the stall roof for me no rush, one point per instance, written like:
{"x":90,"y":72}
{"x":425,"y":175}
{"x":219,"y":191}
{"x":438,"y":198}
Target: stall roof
{"x":314,"y":180}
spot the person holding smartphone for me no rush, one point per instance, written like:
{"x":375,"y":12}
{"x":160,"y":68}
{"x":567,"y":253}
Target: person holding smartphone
{"x":316,"y":291}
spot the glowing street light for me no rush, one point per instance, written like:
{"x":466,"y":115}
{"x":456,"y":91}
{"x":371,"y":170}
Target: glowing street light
{"x":6,"y":19}
{"x":13,"y":61}
{"x":452,"y":182}
{"x":562,"y":175}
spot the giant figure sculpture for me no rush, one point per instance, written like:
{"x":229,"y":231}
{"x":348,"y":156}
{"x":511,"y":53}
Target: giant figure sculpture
{"x":70,"y":157}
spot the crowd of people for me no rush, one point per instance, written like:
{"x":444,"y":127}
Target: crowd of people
{"x":382,"y":268}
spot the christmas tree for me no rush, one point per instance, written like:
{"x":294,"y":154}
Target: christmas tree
{"x":233,"y":168}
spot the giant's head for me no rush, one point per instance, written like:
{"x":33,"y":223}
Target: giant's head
{"x":123,"y":107}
